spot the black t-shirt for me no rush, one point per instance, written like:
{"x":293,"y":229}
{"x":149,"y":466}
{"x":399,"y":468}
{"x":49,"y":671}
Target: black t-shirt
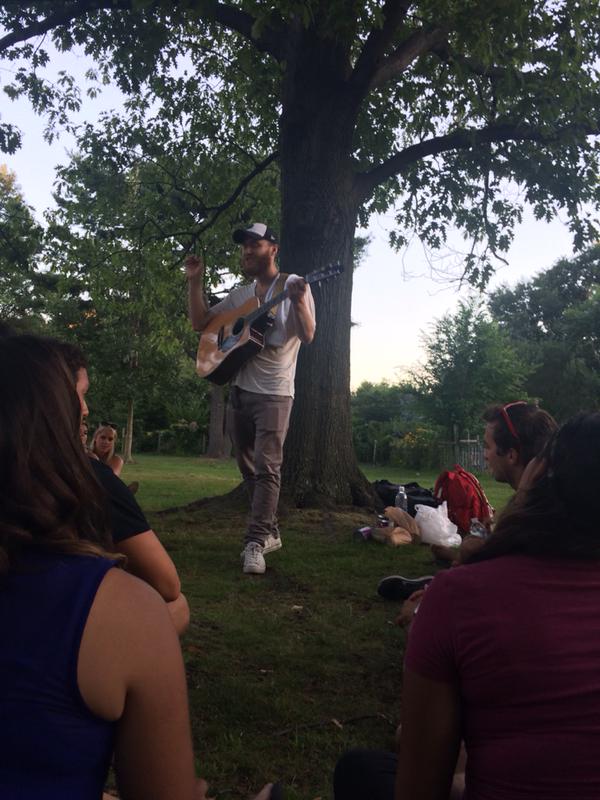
{"x":127,"y":518}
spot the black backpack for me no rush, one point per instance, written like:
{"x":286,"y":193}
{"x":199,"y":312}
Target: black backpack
{"x":386,"y":491}
{"x":415,"y":495}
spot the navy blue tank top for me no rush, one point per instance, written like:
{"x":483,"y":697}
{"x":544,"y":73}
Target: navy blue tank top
{"x":51,"y":745}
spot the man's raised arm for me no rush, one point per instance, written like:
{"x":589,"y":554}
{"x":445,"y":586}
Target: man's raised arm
{"x":198,"y":309}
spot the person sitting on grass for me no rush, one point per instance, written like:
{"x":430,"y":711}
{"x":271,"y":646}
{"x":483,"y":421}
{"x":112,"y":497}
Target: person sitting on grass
{"x":90,"y":661}
{"x":131,"y":531}
{"x":519,"y":678}
{"x":103,"y":445}
{"x":514,"y":434}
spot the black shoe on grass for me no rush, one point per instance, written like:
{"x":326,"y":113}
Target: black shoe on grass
{"x":395,"y":587}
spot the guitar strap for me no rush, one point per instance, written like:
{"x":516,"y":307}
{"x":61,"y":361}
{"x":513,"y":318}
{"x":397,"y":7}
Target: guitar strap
{"x":277,"y":287}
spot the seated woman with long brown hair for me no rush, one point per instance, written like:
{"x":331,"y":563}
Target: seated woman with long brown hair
{"x":504,"y":652}
{"x":90,"y":662}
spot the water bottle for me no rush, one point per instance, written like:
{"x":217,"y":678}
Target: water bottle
{"x":401,"y":500}
{"x":478,"y":529}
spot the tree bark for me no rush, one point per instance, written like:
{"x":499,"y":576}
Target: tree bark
{"x":127,"y":442}
{"x":217,"y":441}
{"x":320,"y":205}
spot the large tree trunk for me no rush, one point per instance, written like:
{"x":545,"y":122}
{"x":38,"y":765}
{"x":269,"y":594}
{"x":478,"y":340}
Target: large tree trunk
{"x":319,"y":212}
{"x":218,"y":443}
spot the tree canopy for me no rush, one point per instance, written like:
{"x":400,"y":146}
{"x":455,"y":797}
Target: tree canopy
{"x":553,"y":321}
{"x":449,"y":113}
{"x":446,"y":102}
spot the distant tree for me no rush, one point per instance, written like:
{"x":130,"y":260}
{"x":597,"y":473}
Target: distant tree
{"x":22,"y":283}
{"x":534,"y":310}
{"x":129,"y":320}
{"x":380,"y":411}
{"x":553,"y":321}
{"x":470,"y":363}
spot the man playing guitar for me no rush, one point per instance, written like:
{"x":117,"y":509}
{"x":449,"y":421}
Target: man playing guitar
{"x":262,"y":391}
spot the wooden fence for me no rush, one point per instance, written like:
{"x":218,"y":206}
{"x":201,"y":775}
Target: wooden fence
{"x":466,"y":452}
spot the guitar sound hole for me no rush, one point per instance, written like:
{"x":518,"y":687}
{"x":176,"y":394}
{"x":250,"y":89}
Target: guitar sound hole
{"x":238,"y":326}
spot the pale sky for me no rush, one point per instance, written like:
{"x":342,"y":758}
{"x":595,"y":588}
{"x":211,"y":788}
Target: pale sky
{"x":395,"y":297}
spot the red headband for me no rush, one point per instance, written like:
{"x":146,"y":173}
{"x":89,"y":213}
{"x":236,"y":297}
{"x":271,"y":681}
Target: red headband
{"x":511,"y":428}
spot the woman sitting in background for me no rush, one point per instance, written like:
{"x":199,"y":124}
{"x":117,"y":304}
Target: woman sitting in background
{"x":90,"y":661}
{"x":504,"y":652}
{"x":103,"y":445}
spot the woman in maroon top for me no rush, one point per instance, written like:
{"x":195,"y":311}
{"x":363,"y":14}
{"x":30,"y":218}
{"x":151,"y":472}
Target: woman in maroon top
{"x":504,"y":652}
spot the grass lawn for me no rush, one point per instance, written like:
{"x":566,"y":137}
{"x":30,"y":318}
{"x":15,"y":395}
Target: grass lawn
{"x":289,"y":669}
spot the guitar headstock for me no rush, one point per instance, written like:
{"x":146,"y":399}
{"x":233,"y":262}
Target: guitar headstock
{"x":324,"y":274}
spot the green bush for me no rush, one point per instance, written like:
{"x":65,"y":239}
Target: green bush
{"x":373,"y":438}
{"x":417,"y":449}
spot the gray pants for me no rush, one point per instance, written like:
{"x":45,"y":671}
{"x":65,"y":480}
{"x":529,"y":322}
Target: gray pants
{"x":258,"y":424}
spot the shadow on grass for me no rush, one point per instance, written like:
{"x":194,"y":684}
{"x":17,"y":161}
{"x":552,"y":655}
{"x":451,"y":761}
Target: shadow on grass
{"x":289,"y":669}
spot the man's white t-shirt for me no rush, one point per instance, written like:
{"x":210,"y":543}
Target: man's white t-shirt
{"x":271,"y":371}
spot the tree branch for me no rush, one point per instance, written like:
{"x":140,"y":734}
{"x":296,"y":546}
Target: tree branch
{"x":446,"y":54}
{"x":216,"y":211}
{"x":57,"y":18}
{"x":271,"y":40}
{"x":187,"y":239}
{"x":416,"y":45}
{"x":377,"y":43}
{"x":464,"y":139}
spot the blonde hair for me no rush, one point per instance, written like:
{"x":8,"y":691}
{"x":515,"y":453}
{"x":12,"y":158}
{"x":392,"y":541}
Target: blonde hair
{"x":97,"y":433}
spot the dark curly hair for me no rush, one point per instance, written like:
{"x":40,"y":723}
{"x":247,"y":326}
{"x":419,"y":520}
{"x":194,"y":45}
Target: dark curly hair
{"x":557,"y":515}
{"x":72,"y":355}
{"x":533,"y":425}
{"x":49,"y":497}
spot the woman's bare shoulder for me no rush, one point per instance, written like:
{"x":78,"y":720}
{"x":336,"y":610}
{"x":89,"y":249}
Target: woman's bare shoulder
{"x":121,"y":590}
{"x":116,"y":464}
{"x":127,"y":624}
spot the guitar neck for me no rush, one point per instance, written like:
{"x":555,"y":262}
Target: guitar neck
{"x":316,"y":276}
{"x":266,"y":307}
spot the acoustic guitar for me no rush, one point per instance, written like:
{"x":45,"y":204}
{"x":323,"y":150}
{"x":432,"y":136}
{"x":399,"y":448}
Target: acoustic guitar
{"x":233,"y":337}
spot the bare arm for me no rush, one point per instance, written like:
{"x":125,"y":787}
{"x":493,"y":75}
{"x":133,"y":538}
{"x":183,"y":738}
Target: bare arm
{"x":116,"y":464}
{"x":130,"y":670}
{"x":148,"y":560}
{"x":409,"y":608}
{"x":197,"y":306}
{"x":180,"y":613}
{"x":302,"y":309}
{"x":430,"y":738}
{"x":153,"y":749}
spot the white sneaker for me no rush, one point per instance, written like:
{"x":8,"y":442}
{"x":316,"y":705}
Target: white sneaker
{"x":252,"y":558}
{"x":271,"y":544}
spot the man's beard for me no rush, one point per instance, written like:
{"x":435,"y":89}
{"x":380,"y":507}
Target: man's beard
{"x":256,"y":264}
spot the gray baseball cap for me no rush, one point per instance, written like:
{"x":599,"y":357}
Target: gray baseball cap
{"x":258,"y":230}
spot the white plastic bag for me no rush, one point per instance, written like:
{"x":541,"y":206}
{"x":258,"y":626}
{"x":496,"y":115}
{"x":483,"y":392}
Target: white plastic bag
{"x":435,"y":526}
